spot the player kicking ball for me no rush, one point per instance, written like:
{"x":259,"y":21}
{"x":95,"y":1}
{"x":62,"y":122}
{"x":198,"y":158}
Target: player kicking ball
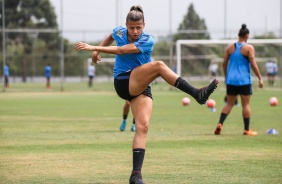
{"x":134,"y":72}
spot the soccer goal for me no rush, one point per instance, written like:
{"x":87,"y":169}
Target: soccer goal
{"x":203,"y":51}
{"x":103,"y":69}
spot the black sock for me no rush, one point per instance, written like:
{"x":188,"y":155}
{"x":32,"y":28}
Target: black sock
{"x":247,"y":124}
{"x":184,"y":86}
{"x":222,"y":118}
{"x":125,"y":116}
{"x":133,"y":121}
{"x":138,"y":157}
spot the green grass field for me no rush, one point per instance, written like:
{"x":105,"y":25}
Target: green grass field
{"x":73,"y":137}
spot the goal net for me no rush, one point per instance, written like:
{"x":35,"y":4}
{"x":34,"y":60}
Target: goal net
{"x":193,"y":57}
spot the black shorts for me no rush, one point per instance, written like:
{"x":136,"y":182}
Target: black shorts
{"x":121,"y":83}
{"x":271,"y":74}
{"x":239,"y":90}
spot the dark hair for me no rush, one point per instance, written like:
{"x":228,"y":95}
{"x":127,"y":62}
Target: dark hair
{"x":135,"y":14}
{"x":243,"y":31}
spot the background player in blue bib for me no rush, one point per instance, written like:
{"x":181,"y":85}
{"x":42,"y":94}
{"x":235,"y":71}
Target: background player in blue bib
{"x":48,"y":72}
{"x":239,"y":58}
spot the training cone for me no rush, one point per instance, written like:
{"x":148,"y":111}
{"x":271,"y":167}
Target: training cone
{"x":213,"y":109}
{"x":272,"y":131}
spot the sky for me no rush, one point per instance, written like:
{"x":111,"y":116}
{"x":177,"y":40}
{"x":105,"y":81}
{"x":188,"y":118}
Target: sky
{"x":92,"y":20}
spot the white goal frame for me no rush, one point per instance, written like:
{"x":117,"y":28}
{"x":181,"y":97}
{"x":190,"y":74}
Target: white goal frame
{"x":218,"y":42}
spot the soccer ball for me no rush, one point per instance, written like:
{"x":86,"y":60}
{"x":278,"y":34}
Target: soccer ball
{"x":185,"y":101}
{"x":211,"y":103}
{"x":273,"y":101}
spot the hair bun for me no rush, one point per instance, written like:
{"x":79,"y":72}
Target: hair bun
{"x":137,"y":8}
{"x":244,"y":26}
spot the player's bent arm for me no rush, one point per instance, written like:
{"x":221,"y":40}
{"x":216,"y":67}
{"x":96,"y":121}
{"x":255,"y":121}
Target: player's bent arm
{"x":126,"y":49}
{"x":106,"y":42}
{"x":84,"y":46}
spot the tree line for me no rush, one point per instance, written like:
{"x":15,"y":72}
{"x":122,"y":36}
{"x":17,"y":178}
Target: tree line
{"x":28,"y":52}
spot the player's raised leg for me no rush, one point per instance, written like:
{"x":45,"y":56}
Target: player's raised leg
{"x":143,"y":75}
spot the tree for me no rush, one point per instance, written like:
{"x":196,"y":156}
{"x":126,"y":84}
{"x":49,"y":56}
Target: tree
{"x":31,"y":14}
{"x":192,"y":21}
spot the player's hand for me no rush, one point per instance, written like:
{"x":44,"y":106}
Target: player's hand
{"x":96,"y":58}
{"x":83,"y":46}
{"x":260,"y":83}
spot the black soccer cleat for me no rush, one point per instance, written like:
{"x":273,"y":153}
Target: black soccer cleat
{"x":202,"y":94}
{"x":136,"y":178}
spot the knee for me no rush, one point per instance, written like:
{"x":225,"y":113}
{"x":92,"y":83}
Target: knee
{"x":159,"y":66}
{"x":246,"y":107}
{"x":143,"y":127}
{"x":160,"y":63}
{"x":127,"y":103}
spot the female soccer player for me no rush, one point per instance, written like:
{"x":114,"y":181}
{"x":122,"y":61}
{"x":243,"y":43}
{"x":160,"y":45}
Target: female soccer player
{"x":238,"y":79}
{"x":133,"y":73}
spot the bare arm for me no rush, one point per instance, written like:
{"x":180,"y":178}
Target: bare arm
{"x":105,"y":48}
{"x":251,"y":56}
{"x":106,"y":42}
{"x":225,"y":61}
{"x":227,"y":53}
{"x":95,"y":56}
{"x":126,"y":49}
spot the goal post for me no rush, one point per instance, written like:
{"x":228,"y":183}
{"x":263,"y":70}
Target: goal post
{"x":179,"y":43}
